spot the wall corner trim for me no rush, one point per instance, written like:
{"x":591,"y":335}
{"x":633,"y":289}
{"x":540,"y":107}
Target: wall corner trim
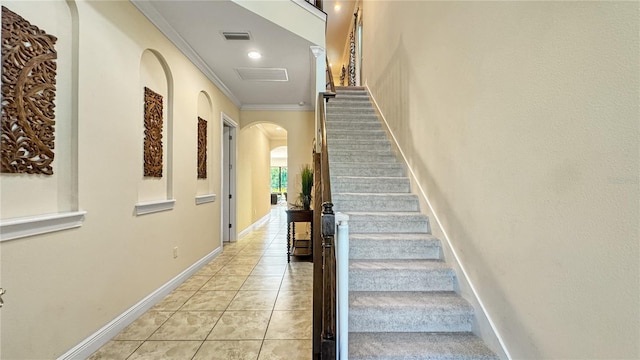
{"x":154,"y":206}
{"x":41,"y":224}
{"x":203,"y":199}
{"x":96,"y":340}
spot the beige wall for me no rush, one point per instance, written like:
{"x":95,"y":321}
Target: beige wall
{"x":253,"y":185}
{"x":520,"y":120}
{"x":300,"y":133}
{"x":64,"y":286}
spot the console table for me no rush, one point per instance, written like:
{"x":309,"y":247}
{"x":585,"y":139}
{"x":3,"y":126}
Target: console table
{"x":298,"y":247}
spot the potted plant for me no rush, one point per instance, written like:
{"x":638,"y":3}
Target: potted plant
{"x":306,"y":177}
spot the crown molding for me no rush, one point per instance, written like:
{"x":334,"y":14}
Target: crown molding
{"x":147,"y":9}
{"x":277,"y":107}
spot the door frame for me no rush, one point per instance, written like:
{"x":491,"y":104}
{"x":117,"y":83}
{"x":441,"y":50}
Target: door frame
{"x":229,"y":204}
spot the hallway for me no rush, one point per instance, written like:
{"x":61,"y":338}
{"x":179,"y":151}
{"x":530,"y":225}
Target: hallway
{"x":247,"y":303}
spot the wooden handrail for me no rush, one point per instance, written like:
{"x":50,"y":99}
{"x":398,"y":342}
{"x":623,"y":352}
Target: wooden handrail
{"x":330,"y":83}
{"x":324,"y":260}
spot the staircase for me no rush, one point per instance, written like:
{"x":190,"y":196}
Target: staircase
{"x":402,"y":303}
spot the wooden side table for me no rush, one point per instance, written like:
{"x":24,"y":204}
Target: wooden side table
{"x":298,"y":247}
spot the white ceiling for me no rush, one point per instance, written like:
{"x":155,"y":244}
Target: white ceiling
{"x":338,"y":25}
{"x":196,"y":27}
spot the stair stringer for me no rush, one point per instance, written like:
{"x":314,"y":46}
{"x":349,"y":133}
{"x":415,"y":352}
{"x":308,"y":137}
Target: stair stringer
{"x":484,"y":326}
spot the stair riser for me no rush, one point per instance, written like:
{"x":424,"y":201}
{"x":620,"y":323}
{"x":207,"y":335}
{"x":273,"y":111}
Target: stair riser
{"x":371,"y":185}
{"x":350,"y":111}
{"x":362,"y":125}
{"x":378,"y":203}
{"x":363,"y":158}
{"x":376,"y":226}
{"x":355,"y":101}
{"x":350,"y":152}
{"x":364,"y":172}
{"x":393,"y":249}
{"x":365,"y":145}
{"x":398,"y":280}
{"x":356,"y":118}
{"x":357,"y":135}
{"x":407,"y":320}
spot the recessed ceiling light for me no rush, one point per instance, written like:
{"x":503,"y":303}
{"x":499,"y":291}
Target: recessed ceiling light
{"x":330,"y":64}
{"x":337,"y":7}
{"x":254,"y":55}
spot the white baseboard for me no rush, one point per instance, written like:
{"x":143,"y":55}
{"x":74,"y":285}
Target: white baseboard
{"x":96,"y":340}
{"x":485,"y":327}
{"x":253,"y":226}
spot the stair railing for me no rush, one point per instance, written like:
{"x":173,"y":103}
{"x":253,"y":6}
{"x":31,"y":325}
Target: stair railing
{"x":317,"y":3}
{"x":331,"y":86}
{"x":331,"y":256}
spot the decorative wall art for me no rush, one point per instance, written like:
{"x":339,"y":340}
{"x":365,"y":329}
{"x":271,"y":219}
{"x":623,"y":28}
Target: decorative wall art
{"x":28,"y":94}
{"x":152,"y":133}
{"x":202,"y":148}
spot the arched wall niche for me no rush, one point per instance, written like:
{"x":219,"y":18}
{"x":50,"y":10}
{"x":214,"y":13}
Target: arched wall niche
{"x":155,"y":74}
{"x":28,"y":196}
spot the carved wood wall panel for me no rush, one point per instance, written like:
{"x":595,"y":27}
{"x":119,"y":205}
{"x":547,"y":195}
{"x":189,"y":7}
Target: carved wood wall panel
{"x":202,"y":148}
{"x":28,"y":94}
{"x":152,"y":133}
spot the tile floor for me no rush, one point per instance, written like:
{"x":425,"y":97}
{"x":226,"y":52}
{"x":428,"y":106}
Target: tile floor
{"x":247,"y":303}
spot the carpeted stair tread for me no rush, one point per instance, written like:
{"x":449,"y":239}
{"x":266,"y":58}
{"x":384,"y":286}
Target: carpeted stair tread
{"x":400,"y":265}
{"x":387,"y":222}
{"x":400,"y":275}
{"x":394,"y":246}
{"x":370,"y":185}
{"x":402,"y":311}
{"x":417,"y":346}
{"x":379,"y":201}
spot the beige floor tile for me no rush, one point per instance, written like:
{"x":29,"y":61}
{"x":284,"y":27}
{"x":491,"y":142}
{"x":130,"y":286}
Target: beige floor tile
{"x":225,"y":282}
{"x":115,"y":350}
{"x":174,"y":300}
{"x":193,"y":283}
{"x":254,"y":300}
{"x":187,"y":325}
{"x":260,"y":282}
{"x":241,"y":325}
{"x":144,"y":326}
{"x":247,"y":260}
{"x":239,"y":269}
{"x":229,"y":350}
{"x":290,"y":325}
{"x":290,"y":285}
{"x":273,"y":260}
{"x":249,"y":252}
{"x":209,"y":300}
{"x":269,"y":270}
{"x":294,"y":300}
{"x":286,"y":350}
{"x":163,"y":350}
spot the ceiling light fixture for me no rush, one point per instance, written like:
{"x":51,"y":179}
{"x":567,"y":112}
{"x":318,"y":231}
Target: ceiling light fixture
{"x":337,"y":7}
{"x":254,"y":55}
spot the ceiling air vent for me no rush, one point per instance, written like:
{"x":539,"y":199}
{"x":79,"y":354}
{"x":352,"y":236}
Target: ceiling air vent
{"x":263,"y":74}
{"x":236,"y":35}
